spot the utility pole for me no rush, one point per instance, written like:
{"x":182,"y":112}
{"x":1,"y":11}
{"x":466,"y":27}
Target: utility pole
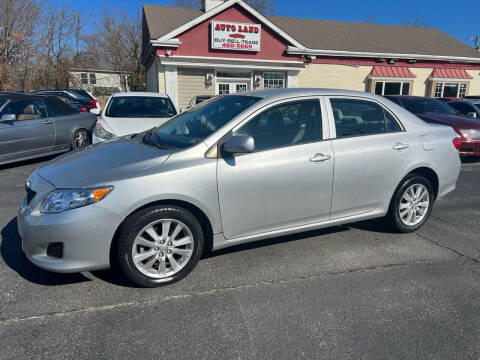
{"x":476,"y":42}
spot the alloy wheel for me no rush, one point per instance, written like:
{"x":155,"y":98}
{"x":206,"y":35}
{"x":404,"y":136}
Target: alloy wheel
{"x":162,"y":248}
{"x":81,"y":140}
{"x":414,"y":205}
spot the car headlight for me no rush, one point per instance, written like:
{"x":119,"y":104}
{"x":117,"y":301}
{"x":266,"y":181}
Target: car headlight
{"x":471,"y":134}
{"x":101,"y":132}
{"x":58,"y":201}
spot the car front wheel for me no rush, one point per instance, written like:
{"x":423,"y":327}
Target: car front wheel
{"x":81,"y":139}
{"x":159,"y":245}
{"x":412,"y":204}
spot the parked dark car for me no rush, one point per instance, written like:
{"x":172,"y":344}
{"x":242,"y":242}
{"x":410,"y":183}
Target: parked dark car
{"x":437,"y":112}
{"x":198,"y":99}
{"x":76,"y":95}
{"x":469,"y":108}
{"x":33,"y":126}
{"x":72,"y":103}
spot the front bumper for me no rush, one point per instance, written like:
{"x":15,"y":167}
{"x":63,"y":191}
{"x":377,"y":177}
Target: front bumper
{"x":86,"y":234}
{"x":469,"y":147}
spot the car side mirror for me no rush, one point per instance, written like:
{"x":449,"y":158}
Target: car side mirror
{"x":472,"y":114}
{"x":239,"y":144}
{"x":8,"y":117}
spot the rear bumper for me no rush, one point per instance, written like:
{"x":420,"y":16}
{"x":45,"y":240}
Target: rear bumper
{"x":470,"y":148}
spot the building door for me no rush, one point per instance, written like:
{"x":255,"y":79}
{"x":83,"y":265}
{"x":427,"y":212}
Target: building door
{"x":232,"y":82}
{"x":224,"y":88}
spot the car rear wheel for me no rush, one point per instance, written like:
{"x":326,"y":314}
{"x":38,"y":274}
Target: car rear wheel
{"x":412,"y":204}
{"x":81,"y":139}
{"x":159,"y":245}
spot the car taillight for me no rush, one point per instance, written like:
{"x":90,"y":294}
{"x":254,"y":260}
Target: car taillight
{"x":457,"y":142}
{"x":92,"y":104}
{"x":83,"y":109}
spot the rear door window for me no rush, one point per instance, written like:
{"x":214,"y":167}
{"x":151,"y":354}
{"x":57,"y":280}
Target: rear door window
{"x":354,"y":117}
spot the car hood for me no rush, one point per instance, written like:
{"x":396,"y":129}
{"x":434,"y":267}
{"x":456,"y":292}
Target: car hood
{"x":102,"y":164}
{"x":456,"y":121}
{"x":127,"y":126}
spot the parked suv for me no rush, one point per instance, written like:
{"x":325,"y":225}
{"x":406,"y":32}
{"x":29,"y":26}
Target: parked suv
{"x":469,"y":108}
{"x":77,"y":95}
{"x":235,"y":169}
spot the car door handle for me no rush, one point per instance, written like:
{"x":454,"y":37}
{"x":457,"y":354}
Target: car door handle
{"x":47,"y":121}
{"x":317,"y":158}
{"x":400,"y":146}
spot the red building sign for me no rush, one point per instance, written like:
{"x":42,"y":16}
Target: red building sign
{"x":236,"y":36}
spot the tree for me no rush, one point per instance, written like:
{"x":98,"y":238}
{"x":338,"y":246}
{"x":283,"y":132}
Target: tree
{"x":415,"y":22}
{"x":266,"y":7}
{"x":117,"y":40}
{"x":19,"y":20}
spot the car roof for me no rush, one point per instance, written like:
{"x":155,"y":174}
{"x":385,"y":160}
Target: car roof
{"x":139,"y":93}
{"x":17,"y":96}
{"x":273,"y":94}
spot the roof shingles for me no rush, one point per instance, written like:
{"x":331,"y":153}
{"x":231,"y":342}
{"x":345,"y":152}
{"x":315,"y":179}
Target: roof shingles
{"x":333,"y":35}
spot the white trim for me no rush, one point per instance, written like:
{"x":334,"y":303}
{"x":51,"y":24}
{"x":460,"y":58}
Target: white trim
{"x":305,"y":51}
{"x":166,"y":43}
{"x":232,"y":59}
{"x":449,"y":80}
{"x":390,"y":79}
{"x":171,"y":87}
{"x":229,"y":66}
{"x":219,"y":9}
{"x":292,"y":79}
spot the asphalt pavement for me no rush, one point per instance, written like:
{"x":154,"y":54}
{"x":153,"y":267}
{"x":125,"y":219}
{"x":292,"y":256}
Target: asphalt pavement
{"x":349,"y":292}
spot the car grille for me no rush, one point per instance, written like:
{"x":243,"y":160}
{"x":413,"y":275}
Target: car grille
{"x":30,"y":194}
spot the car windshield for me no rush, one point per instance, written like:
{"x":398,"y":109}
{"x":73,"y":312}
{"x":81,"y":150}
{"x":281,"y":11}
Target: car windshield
{"x":194,"y":125}
{"x":140,"y":107}
{"x":2,"y":101}
{"x":425,"y":105}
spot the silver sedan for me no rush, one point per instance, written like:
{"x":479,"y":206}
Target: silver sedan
{"x":235,"y":169}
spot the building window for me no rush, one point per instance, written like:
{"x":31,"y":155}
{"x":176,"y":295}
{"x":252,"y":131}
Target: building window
{"x":392,"y":88}
{"x":273,"y":80}
{"x":84,"y":78}
{"x":233,"y":75}
{"x":93,"y":79}
{"x":223,"y":89}
{"x":456,"y":90}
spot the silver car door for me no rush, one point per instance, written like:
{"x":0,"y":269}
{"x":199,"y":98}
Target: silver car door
{"x":372,"y":151}
{"x":31,"y":133}
{"x":287,"y":180}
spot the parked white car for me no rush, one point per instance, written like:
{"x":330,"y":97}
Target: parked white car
{"x":132,"y":113}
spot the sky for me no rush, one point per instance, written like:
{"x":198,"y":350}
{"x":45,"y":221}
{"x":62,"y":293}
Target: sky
{"x":460,"y":18}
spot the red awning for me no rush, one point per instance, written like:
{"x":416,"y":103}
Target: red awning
{"x":392,"y":72}
{"x":450,"y":74}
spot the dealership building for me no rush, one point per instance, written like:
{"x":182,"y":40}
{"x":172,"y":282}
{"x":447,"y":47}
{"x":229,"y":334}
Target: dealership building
{"x":229,"y":47}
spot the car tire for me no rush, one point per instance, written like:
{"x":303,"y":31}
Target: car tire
{"x":154,"y":248}
{"x":81,"y":139}
{"x":412,"y":204}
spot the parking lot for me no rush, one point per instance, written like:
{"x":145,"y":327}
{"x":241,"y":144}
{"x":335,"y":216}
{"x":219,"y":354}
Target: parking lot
{"x":354,"y":291}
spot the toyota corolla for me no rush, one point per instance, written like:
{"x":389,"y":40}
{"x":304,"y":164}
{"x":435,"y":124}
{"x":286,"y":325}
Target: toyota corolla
{"x":235,"y":169}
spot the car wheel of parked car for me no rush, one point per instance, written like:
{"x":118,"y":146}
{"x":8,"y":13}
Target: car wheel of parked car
{"x":159,"y":245}
{"x":412,"y":204}
{"x":81,"y":139}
